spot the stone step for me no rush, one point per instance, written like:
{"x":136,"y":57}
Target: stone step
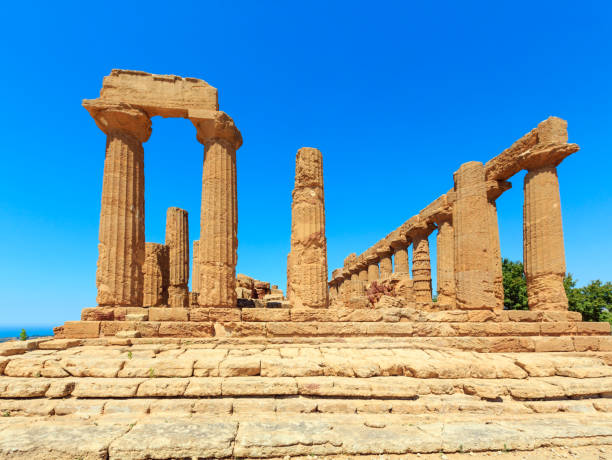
{"x":186,"y":361}
{"x":533,"y":388}
{"x":414,"y":314}
{"x":92,"y":329}
{"x":427,"y":405}
{"x":272,"y":436}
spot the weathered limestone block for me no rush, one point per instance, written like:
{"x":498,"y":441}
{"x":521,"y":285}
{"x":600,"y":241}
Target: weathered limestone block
{"x":543,"y":249}
{"x":219,"y":217}
{"x":195,"y":268}
{"x":119,"y":276}
{"x":307,"y":261}
{"x":421,"y":265}
{"x":473,"y":253}
{"x":177,"y":241}
{"x":446,"y":259}
{"x":156,"y":275}
{"x":386,"y":264}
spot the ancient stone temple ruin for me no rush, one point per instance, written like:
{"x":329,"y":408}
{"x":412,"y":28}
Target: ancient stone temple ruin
{"x":183,"y":358}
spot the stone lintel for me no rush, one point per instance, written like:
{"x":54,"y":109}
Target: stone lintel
{"x":505,"y":165}
{"x":162,"y":95}
{"x":399,"y":240}
{"x":212,"y":124}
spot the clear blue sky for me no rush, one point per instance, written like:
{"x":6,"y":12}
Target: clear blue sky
{"x":395,"y":94}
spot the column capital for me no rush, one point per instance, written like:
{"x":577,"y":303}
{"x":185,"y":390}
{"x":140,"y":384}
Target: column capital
{"x":384,"y":251}
{"x":350,"y":260}
{"x":496,"y":187}
{"x":399,"y":240}
{"x":545,"y":155}
{"x":443,"y":215}
{"x":361,"y":263}
{"x":122,"y":118}
{"x":211,"y":124}
{"x":420,"y":229}
{"x":371,"y":257}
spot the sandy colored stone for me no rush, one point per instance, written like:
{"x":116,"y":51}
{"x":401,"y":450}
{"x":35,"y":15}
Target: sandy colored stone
{"x":156,"y":276}
{"x":386,"y":264}
{"x":119,"y":275}
{"x":177,"y":242}
{"x":195,"y":267}
{"x":446,"y":260}
{"x":219,"y":217}
{"x":473,"y":253}
{"x":307,"y":261}
{"x":373,"y":268}
{"x":543,"y":250}
{"x":421,"y":265}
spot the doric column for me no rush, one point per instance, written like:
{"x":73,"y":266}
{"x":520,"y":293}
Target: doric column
{"x":344,"y":289}
{"x":307,"y":261}
{"x":362,"y":266}
{"x":156,"y":275}
{"x":399,"y":243}
{"x":421,"y":265}
{"x":543,"y":248}
{"x":195,"y":270}
{"x":333,"y":290}
{"x":219,"y":217}
{"x":445,"y":258}
{"x":386,"y":264}
{"x":494,"y":191}
{"x":177,"y":241}
{"x":119,"y":276}
{"x":473,"y":252}
{"x":373,"y":270}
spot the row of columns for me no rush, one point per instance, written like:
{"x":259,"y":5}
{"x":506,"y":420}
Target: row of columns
{"x":469,"y":269}
{"x":119,"y":275}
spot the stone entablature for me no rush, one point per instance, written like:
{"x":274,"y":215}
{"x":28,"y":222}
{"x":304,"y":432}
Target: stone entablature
{"x":468,"y":235}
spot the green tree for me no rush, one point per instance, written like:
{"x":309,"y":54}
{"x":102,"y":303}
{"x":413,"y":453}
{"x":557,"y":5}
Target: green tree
{"x":23,"y":336}
{"x":593,"y":301}
{"x":515,"y":286}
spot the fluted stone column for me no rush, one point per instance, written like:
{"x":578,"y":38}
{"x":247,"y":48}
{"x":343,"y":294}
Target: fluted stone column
{"x":119,"y":275}
{"x":307,"y":261}
{"x":421,"y":265}
{"x":386,"y":264}
{"x":177,"y":241}
{"x":344,"y":291}
{"x":333,"y":290}
{"x":219,"y":217}
{"x":473,"y":251}
{"x":195,"y":271}
{"x":155,"y":275}
{"x":373,"y":269}
{"x":494,"y":191}
{"x":543,"y":248}
{"x":445,"y":259}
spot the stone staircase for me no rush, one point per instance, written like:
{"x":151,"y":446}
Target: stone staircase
{"x":259,"y":397}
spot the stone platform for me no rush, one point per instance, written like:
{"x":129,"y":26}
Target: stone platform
{"x":261,"y":397}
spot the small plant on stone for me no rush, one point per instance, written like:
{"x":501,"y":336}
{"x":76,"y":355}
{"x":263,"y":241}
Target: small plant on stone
{"x":6,"y":413}
{"x":38,"y":374}
{"x":23,"y":336}
{"x":506,"y":448}
{"x":129,"y":355}
{"x":151,"y":373}
{"x":461,"y":448}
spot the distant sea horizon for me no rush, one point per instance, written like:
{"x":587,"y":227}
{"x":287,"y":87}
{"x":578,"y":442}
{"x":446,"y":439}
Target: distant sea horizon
{"x":12,"y":332}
